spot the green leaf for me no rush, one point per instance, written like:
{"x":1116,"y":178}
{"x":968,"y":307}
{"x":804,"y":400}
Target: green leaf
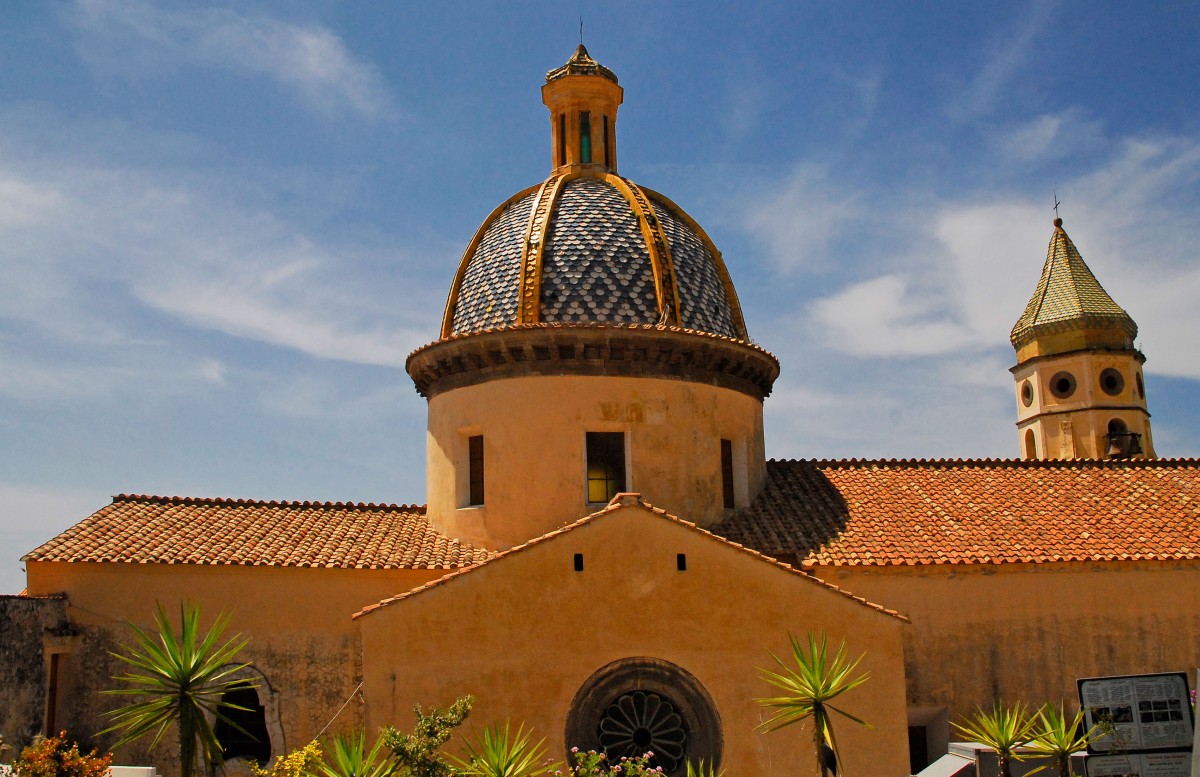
{"x":178,"y":678}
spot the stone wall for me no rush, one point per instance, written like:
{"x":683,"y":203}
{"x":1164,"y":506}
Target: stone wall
{"x":24,"y":623}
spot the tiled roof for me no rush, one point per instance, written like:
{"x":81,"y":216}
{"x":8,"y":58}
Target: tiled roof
{"x":1067,"y":294}
{"x":180,"y":530}
{"x":596,"y":266}
{"x":618,"y":502}
{"x":876,"y":513}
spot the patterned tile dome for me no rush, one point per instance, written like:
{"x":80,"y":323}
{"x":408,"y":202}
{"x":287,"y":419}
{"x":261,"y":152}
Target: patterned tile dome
{"x":590,"y":247}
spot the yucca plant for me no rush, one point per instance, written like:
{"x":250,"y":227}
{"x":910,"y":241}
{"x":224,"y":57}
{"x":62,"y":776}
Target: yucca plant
{"x":808,"y":688}
{"x":1055,"y":737}
{"x":1002,"y":730}
{"x":180,"y":677}
{"x":703,"y":769}
{"x":498,"y":752}
{"x":347,"y":756}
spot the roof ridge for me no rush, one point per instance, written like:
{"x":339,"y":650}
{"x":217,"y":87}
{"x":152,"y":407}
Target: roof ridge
{"x":846,"y":463}
{"x":236,"y":501}
{"x":618,"y":502}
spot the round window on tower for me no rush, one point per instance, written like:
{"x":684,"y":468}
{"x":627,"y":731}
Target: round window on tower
{"x":1062,"y":385}
{"x":1026,"y":393}
{"x":1112,"y":382}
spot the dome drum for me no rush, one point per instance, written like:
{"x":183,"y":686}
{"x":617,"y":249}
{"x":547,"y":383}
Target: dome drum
{"x":592,"y":349}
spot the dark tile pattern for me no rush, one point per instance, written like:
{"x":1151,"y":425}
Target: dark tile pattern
{"x":488,"y":296}
{"x":596,"y":267}
{"x":702,"y":301}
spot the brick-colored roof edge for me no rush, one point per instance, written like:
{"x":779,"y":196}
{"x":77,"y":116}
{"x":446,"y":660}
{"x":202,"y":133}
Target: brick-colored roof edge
{"x":228,"y":501}
{"x":993,"y":463}
{"x":413,"y":511}
{"x":618,"y":502}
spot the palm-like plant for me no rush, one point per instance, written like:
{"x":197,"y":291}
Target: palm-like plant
{"x":1002,"y":730}
{"x":500,"y":753}
{"x":1056,"y":737}
{"x":180,"y":677}
{"x":348,"y":756}
{"x":703,"y":769}
{"x":808,"y":688}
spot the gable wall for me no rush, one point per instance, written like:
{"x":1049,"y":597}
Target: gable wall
{"x":526,"y":631}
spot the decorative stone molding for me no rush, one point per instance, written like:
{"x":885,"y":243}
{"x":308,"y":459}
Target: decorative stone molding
{"x":621,"y":351}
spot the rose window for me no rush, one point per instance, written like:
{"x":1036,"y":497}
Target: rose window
{"x":639,"y":722}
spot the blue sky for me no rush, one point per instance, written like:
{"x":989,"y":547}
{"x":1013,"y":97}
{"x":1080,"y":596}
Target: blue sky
{"x":223,"y":227}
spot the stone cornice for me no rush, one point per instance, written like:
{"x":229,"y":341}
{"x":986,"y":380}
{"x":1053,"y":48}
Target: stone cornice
{"x":621,"y":351}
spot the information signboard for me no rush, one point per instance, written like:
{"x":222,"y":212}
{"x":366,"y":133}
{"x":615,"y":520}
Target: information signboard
{"x":1147,"y":722}
{"x":1140,"y":765}
{"x":1139,"y":712}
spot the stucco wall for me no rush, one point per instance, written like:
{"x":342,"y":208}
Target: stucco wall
{"x":534,"y":450}
{"x":301,"y":636}
{"x":1023,"y":632}
{"x":526,"y":631}
{"x":24,"y":622}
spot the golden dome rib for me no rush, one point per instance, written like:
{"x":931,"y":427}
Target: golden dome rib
{"x":456,"y":286}
{"x":665,"y":288}
{"x":735,"y":306}
{"x":529,"y":304}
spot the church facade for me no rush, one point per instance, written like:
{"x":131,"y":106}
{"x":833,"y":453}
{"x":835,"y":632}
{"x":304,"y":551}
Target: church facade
{"x":607,"y":554}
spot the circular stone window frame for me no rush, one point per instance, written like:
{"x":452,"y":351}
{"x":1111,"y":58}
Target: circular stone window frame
{"x":1112,"y":382}
{"x":1027,"y":393}
{"x":1059,"y":377}
{"x":651,"y":675}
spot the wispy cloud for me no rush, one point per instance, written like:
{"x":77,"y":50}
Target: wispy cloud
{"x":798,"y":217}
{"x":105,"y":258}
{"x":1005,"y":59}
{"x":882,"y":317}
{"x":310,"y":61}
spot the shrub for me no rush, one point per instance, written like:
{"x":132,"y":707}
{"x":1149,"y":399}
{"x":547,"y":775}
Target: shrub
{"x":60,"y":757}
{"x":298,"y":763}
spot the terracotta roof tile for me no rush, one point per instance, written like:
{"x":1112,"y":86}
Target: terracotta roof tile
{"x":184,"y":530}
{"x":914,"y":512}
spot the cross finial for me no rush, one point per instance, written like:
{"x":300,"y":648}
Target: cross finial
{"x":1056,"y":204}
{"x":581,"y":30}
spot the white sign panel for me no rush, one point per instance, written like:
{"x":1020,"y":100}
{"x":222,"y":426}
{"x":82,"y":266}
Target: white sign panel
{"x":1140,"y":765}
{"x":1140,"y":712}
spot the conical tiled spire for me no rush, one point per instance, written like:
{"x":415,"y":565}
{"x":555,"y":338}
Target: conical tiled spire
{"x":1068,"y":297}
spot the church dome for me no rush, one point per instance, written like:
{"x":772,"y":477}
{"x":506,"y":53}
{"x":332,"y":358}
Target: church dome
{"x":588,"y":273}
{"x":591,"y":247}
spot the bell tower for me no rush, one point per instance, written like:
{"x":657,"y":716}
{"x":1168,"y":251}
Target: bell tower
{"x":1080,"y":391}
